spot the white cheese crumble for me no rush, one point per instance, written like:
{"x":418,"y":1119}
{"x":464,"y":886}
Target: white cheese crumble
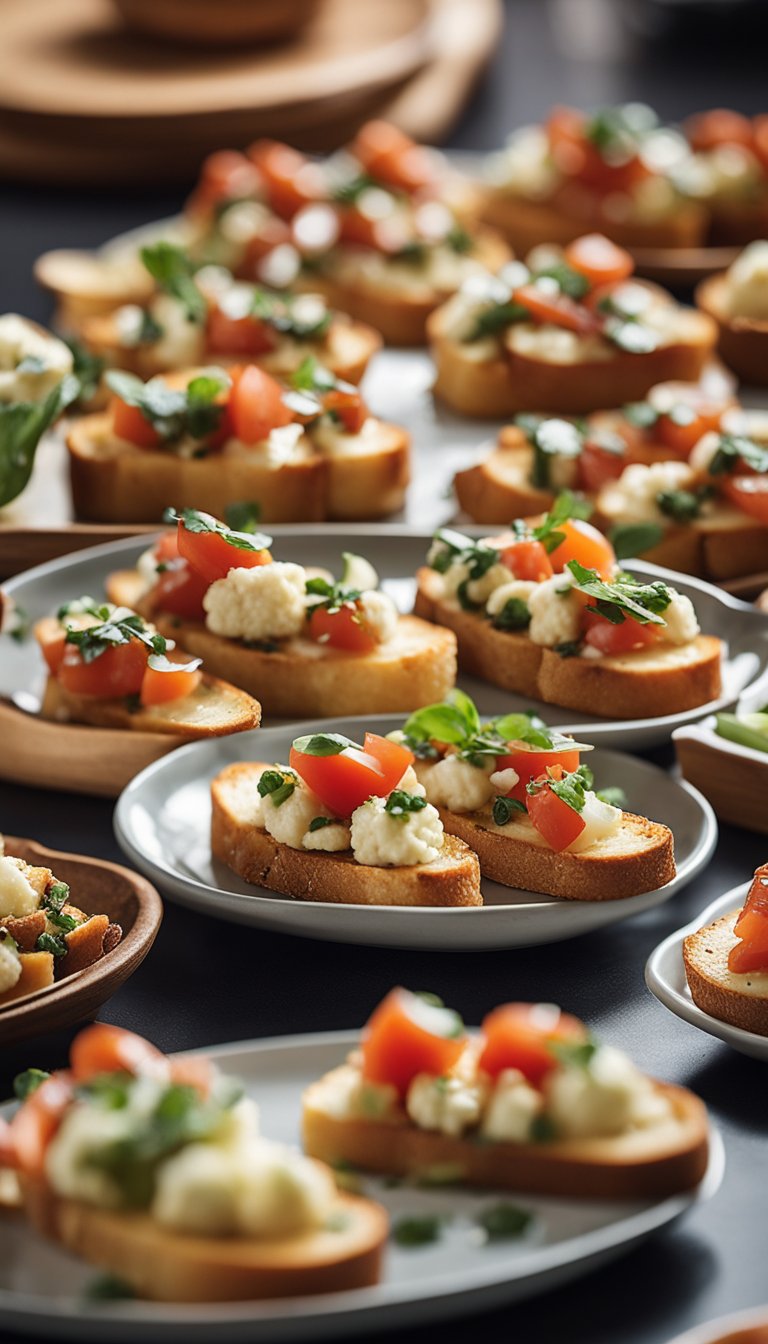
{"x":380,"y":615}
{"x":17,"y":895}
{"x":449,"y":1104}
{"x":329,"y":839}
{"x":458,"y":784}
{"x":633,"y":498}
{"x":600,"y":820}
{"x":505,"y":780}
{"x":607,"y":1096}
{"x":512,"y":1107}
{"x":681,"y":624}
{"x":49,"y":360}
{"x":265,"y":602}
{"x":289,"y":821}
{"x":383,"y":841}
{"x":520,"y":589}
{"x":555,"y":614}
{"x":182,"y":343}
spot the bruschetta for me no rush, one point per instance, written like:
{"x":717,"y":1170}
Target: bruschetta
{"x":154,"y":1170}
{"x":306,"y":645}
{"x":343,"y":822}
{"x":537,"y":455}
{"x":531,"y":1103}
{"x":304,"y":451}
{"x":728,"y":173}
{"x":516,"y":792}
{"x":737,"y":300}
{"x":568,"y":331}
{"x":43,"y":935}
{"x":36,"y":386}
{"x":110,"y":668}
{"x":544,"y":611}
{"x":726,"y":963}
{"x":203,"y":315}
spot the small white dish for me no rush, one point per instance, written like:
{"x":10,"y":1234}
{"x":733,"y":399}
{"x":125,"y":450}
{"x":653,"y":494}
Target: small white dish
{"x":42,"y":1288}
{"x":665,"y":977}
{"x":162,"y":823}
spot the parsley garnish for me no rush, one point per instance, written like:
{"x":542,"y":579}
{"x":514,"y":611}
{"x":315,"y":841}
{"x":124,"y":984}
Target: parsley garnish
{"x":505,"y":808}
{"x":566,"y":506}
{"x":49,"y":942}
{"x":503,"y":1221}
{"x":571,"y":789}
{"x":623,"y":597}
{"x":419,"y":1230}
{"x":195,"y":521}
{"x":277,"y":785}
{"x":514,"y":615}
{"x":682,"y":505}
{"x":24,"y":1084}
{"x":400,"y":804}
{"x":174,"y":272}
{"x":320,"y":823}
{"x":119,"y":628}
{"x":630,"y":539}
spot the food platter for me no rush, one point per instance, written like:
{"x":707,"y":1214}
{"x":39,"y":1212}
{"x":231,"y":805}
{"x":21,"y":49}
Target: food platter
{"x":455,"y":1276}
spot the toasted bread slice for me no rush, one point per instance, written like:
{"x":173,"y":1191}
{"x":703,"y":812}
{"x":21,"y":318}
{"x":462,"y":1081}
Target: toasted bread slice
{"x":724,"y":544}
{"x":346,"y":350}
{"x":399,"y":314}
{"x":499,"y":487}
{"x":215,"y":709}
{"x":312,"y":875}
{"x":638,"y":857}
{"x":642,"y":1164}
{"x":367,"y":476}
{"x":739,"y":999}
{"x":525,"y":223}
{"x":511,"y":382}
{"x":85,"y":284}
{"x":663,"y":679}
{"x":299,"y":678}
{"x":742,"y":341}
{"x":168,"y":1266}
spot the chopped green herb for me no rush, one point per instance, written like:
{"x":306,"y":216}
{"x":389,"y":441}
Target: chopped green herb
{"x":614,"y":795}
{"x":195,"y":521}
{"x":108,"y":1288}
{"x":566,"y":506}
{"x":570,"y":282}
{"x":504,"y":809}
{"x":419,"y":1230}
{"x":514,"y":615}
{"x":631,"y":539}
{"x":117,"y":629}
{"x":623,"y":597}
{"x":459,"y":240}
{"x":49,"y":942}
{"x":400,"y":804}
{"x":174,"y":412}
{"x":323,"y":744}
{"x":502,"y":1222}
{"x":22,"y":425}
{"x":320,"y":823}
{"x":496,"y":318}
{"x":682,"y":505}
{"x":732,"y":450}
{"x":24,"y":1084}
{"x":543,"y":1129}
{"x":277,"y":785}
{"x":174,"y":272}
{"x":56,"y":895}
{"x":574,"y":1054}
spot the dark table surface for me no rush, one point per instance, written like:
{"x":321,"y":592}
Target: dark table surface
{"x":207,"y":982}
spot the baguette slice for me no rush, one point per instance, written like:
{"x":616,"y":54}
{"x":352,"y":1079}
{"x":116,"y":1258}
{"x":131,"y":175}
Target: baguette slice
{"x":638,"y":857}
{"x":643,"y":1164}
{"x":511,"y":382}
{"x":724,"y":544}
{"x":85,"y":284}
{"x":311,"y":875}
{"x":524,"y":223}
{"x":168,"y":1266}
{"x":739,"y":999}
{"x":655,"y":682}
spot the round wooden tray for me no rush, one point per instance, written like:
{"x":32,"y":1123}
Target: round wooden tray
{"x":98,"y":887}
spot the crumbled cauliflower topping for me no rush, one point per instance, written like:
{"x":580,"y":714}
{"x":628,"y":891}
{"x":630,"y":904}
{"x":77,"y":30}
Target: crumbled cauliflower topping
{"x":380,"y":615}
{"x":265,"y":602}
{"x":512,"y":1107}
{"x":49,"y":360}
{"x":682,"y":625}
{"x":447,"y":1104}
{"x":458,"y":784}
{"x":383,"y":840}
{"x":633,"y":498}
{"x":555,"y":614}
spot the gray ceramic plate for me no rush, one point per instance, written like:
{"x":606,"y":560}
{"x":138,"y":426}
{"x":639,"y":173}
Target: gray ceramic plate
{"x":665,"y":977}
{"x":41,"y":1288}
{"x":162,"y":822}
{"x":397,"y":552}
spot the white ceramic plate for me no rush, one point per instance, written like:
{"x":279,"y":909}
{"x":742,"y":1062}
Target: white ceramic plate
{"x":41,"y":1288}
{"x":162,"y":823}
{"x":722,"y":1330}
{"x":665,"y":977}
{"x":397,"y":552}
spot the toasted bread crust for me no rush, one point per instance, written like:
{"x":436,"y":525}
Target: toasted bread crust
{"x":525,"y":223}
{"x":742,"y":341}
{"x":312,"y":875}
{"x":714,"y":988}
{"x":167,"y":1266}
{"x":725,"y":544}
{"x":641,"y":860}
{"x":642,"y":1165}
{"x":635,"y":685}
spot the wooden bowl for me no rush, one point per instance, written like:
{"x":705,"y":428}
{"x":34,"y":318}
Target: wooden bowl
{"x":742,"y":341}
{"x":734,"y":779}
{"x":218,"y":22}
{"x":98,"y":887}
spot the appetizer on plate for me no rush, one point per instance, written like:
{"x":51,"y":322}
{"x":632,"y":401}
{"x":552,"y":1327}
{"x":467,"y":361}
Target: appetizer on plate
{"x":43,"y":935}
{"x":306,"y":645}
{"x":36,"y":385}
{"x":344,"y":822}
{"x":298,"y":452}
{"x":154,"y":1169}
{"x":517,"y":793}
{"x":726,"y":963}
{"x":110,"y":668}
{"x":204,"y":315}
{"x":645,"y":185}
{"x":726,"y":759}
{"x":538,"y":455}
{"x":532,"y":1102}
{"x":544,"y":611}
{"x":569,"y":330}
{"x":737,"y":300}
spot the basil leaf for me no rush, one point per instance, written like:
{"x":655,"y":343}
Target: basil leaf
{"x":174,"y":271}
{"x":195,"y":521}
{"x":505,"y":808}
{"x":682,"y":505}
{"x":323,"y":744}
{"x":569,"y":281}
{"x":514,"y":615}
{"x":631,"y":539}
{"x":277,"y":785}
{"x":501,"y":1222}
{"x":624,"y":597}
{"x":566,"y":506}
{"x":613,"y":795}
{"x":24,"y":1084}
{"x":312,"y":377}
{"x":453,"y":721}
{"x":495,"y":319}
{"x":22,"y":426}
{"x":734,"y":448}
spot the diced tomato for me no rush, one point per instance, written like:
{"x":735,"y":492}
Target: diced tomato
{"x":180,"y":590}
{"x":558,"y":822}
{"x":347,"y":403}
{"x":212,"y":556}
{"x":52,"y":641}
{"x":583,"y":542}
{"x":556,"y":308}
{"x":37,"y":1120}
{"x":598,"y":465}
{"x":193,"y":1071}
{"x":531,"y":762}
{"x":720,"y":126}
{"x":106,"y":1049}
{"x":116,"y":672}
{"x":575,"y":156}
{"x":129,"y":423}
{"x":408,"y":1035}
{"x":751,"y":928}
{"x":225,"y":175}
{"x":600,"y":260}
{"x":344,"y":628}
{"x":680,"y":433}
{"x":291,"y":180}
{"x":521,"y":1036}
{"x":256,"y":404}
{"x":749,"y":493}
{"x":527,"y":559}
{"x":390,"y":156}
{"x":238,"y":335}
{"x":610,"y":639}
{"x":157,"y":688}
{"x":345,"y":781}
{"x":166,"y":547}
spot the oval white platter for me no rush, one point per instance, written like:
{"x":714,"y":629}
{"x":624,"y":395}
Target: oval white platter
{"x":162,"y":823}
{"x":397,"y":552}
{"x":665,"y":977}
{"x":42,"y":1289}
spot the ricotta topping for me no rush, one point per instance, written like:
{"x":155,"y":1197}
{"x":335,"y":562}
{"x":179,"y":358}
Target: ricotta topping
{"x":265,"y":602}
{"x":524,"y":167}
{"x":606,"y":1096}
{"x":512,"y":1107}
{"x":447,"y":1104}
{"x":32,"y":362}
{"x":633,"y":498}
{"x":555,"y":614}
{"x":458,"y":784}
{"x":386,"y":841}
